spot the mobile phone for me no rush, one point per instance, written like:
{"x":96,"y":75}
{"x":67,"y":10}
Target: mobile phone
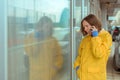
{"x":90,"y":29}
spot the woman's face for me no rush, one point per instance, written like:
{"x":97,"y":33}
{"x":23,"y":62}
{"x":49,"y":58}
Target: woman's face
{"x":87,"y":27}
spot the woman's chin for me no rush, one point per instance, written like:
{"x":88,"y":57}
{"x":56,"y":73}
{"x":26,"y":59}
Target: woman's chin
{"x":89,"y":33}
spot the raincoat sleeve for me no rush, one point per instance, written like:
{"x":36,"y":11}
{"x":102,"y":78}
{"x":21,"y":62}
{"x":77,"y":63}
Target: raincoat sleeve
{"x":77,"y":60}
{"x":101,"y":45}
{"x":58,"y":57}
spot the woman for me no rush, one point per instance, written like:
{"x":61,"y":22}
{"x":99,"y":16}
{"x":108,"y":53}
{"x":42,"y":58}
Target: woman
{"x":94,"y":50}
{"x":45,"y":54}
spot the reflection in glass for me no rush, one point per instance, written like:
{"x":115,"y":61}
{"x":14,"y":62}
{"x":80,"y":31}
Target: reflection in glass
{"x":43,"y":51}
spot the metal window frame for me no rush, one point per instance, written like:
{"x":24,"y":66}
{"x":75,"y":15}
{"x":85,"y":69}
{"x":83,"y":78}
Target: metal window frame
{"x":3,"y":40}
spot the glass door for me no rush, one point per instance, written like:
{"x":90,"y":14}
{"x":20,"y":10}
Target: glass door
{"x":39,"y":40}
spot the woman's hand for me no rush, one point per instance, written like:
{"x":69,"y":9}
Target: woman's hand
{"x":77,"y":68}
{"x":94,"y":31}
{"x":93,"y":28}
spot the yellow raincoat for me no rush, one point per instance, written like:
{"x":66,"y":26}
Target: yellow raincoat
{"x":45,"y":57}
{"x":93,"y":56}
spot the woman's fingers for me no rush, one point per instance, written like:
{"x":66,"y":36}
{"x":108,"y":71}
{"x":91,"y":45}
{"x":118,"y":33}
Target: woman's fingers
{"x":94,"y":28}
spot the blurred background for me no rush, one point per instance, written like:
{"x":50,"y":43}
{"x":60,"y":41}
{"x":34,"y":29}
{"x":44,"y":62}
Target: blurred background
{"x":19,"y":18}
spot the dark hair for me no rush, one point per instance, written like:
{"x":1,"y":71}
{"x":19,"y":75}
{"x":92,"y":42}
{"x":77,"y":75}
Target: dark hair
{"x":93,"y":21}
{"x":45,"y":20}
